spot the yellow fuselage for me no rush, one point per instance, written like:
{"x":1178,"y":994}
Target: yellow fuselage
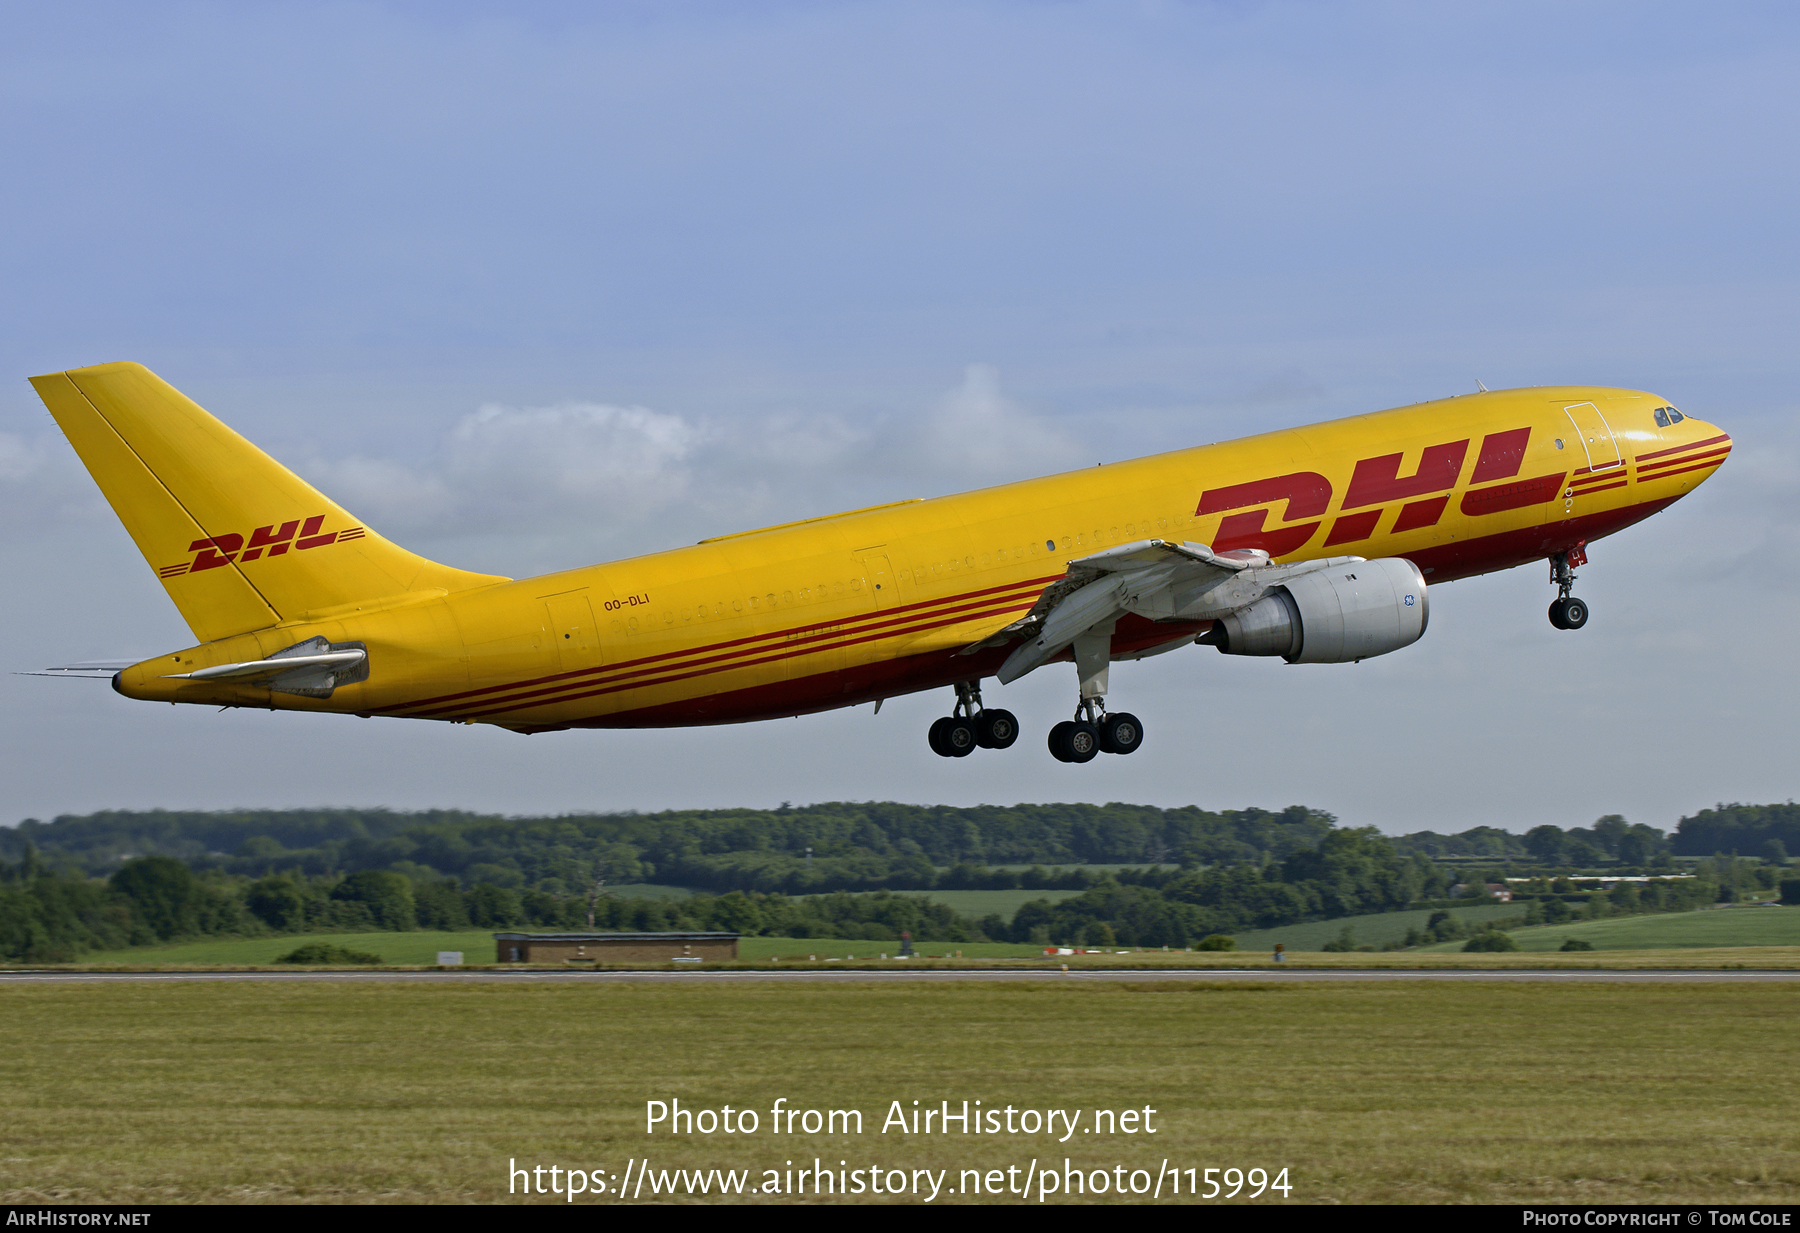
{"x":880,"y":602}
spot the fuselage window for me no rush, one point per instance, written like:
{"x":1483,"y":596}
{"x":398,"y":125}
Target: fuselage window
{"x":1662,"y":417}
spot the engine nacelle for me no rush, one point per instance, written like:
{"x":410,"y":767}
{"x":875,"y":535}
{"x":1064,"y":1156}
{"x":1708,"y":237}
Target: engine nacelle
{"x":1333,"y":615}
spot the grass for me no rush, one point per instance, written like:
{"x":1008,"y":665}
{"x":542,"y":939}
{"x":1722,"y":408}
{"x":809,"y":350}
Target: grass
{"x":1098,"y":867}
{"x":649,"y":890}
{"x":477,"y":947}
{"x":1374,"y":929}
{"x":1672,"y":931}
{"x":976,"y":904}
{"x":399,"y":949}
{"x":280,"y":1093}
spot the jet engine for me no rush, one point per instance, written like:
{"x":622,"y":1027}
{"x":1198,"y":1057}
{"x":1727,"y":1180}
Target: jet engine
{"x":1332,"y":615}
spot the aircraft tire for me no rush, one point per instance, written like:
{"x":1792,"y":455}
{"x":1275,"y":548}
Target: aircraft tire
{"x":958,"y":738}
{"x":996,"y":729}
{"x":935,"y":737}
{"x":1059,"y":748}
{"x":1574,"y":613}
{"x":1556,"y":614}
{"x":1121,"y":733}
{"x":1082,"y":742}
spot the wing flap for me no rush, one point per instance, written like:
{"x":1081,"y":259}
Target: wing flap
{"x":1156,"y":579}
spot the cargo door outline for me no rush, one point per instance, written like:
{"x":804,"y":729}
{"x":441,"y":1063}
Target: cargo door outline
{"x":881,"y":588}
{"x":884,"y":587}
{"x":1595,"y":435}
{"x":574,"y":633}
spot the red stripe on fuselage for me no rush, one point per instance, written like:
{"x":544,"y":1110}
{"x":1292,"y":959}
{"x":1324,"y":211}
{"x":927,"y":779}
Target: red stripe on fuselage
{"x":1660,"y":468}
{"x":1691,"y":445}
{"x":803,"y":638}
{"x":694,"y":668}
{"x":1709,"y":465}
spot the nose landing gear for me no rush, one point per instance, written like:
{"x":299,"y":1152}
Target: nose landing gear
{"x":1567,"y":612}
{"x":970,"y":725}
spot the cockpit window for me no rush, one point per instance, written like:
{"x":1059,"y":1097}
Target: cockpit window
{"x":1662,"y":417}
{"x":1675,"y":417}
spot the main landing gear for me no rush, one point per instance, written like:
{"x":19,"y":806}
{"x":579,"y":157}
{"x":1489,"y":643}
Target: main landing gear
{"x":958,"y":734}
{"x":1567,"y":612}
{"x":1093,"y":731}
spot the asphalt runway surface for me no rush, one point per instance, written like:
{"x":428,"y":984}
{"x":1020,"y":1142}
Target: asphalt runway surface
{"x":806,"y":976}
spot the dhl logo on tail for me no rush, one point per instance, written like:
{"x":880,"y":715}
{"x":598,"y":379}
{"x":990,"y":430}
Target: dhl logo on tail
{"x":221,"y":550}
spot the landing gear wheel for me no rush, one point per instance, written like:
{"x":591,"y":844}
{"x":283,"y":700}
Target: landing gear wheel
{"x":996,"y":729}
{"x":935,"y":737}
{"x":1083,"y":742}
{"x":1121,"y":733}
{"x":951,"y":737}
{"x":958,"y":738}
{"x":1073,"y":742}
{"x":1569,"y":613}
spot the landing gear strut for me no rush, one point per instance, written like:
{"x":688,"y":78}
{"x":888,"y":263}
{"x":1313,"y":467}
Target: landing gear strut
{"x":1567,"y":612}
{"x":1092,"y":731}
{"x":970,"y":724}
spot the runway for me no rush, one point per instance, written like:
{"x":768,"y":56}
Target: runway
{"x":887,"y":976}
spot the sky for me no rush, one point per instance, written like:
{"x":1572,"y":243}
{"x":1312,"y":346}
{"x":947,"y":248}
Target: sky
{"x":528,"y":287}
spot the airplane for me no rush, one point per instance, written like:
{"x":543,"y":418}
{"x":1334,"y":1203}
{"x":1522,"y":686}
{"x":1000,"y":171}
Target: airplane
{"x":1312,"y":545}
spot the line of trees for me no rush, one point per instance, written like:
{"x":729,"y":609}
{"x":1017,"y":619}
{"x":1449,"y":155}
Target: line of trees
{"x":826,"y":847}
{"x":91,"y":887}
{"x":50,"y":917}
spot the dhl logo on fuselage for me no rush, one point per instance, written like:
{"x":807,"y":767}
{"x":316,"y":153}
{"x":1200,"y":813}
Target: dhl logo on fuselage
{"x":1375,"y":485}
{"x":221,"y":550}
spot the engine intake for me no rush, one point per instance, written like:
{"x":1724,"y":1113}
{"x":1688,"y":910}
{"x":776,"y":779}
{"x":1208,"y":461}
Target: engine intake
{"x":1332,"y":616}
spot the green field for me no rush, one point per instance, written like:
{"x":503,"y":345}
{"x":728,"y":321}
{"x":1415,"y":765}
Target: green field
{"x":477,"y":947}
{"x":976,"y":904}
{"x":400,"y":949}
{"x":1375,"y":929}
{"x":338,"y":1092}
{"x":1732,"y":927}
{"x":1674,"y":931}
{"x":648,"y":890}
{"x":1099,"y":867}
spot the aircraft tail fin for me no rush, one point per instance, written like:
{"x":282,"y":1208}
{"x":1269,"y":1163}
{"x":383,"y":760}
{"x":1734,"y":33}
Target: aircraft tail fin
{"x":240,"y":542}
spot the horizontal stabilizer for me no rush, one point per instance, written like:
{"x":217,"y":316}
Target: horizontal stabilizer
{"x":92,"y":669}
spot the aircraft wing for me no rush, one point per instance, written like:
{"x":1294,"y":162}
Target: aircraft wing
{"x":93,"y":669}
{"x":1156,"y":579}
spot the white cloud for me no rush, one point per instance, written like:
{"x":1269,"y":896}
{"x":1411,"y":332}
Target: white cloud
{"x":540,"y":471}
{"x":578,"y":482}
{"x":977,"y":434}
